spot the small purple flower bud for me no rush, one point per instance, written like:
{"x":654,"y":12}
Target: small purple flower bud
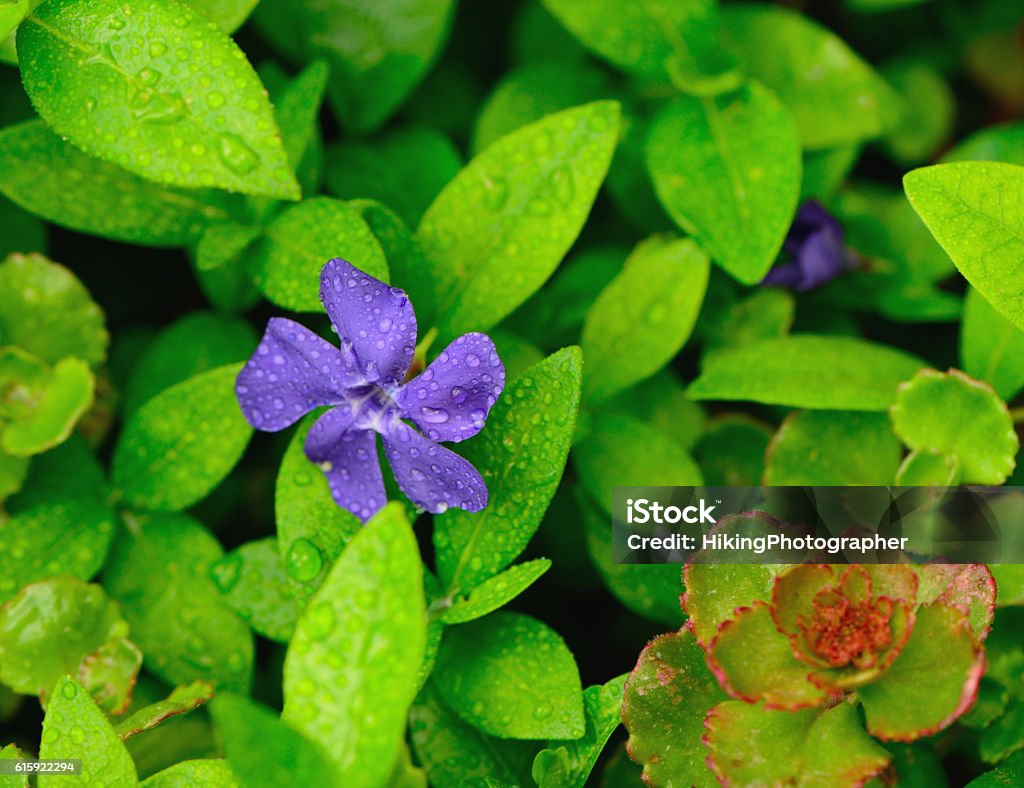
{"x":814,"y":250}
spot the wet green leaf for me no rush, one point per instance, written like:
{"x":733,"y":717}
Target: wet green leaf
{"x":991,"y":347}
{"x":11,"y":752}
{"x":254,"y":584}
{"x":127,"y":94}
{"x":222,"y":244}
{"x":727,"y":170}
{"x":661,"y":401}
{"x":181,"y":443}
{"x":731,"y":452}
{"x":228,"y":14}
{"x":490,"y":240}
{"x":194,"y":774}
{"x":182,"y":700}
{"x":494,"y":592}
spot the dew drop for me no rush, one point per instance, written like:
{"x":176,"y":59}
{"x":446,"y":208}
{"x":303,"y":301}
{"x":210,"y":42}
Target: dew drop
{"x":304,"y":561}
{"x":434,"y":415}
{"x":236,"y":155}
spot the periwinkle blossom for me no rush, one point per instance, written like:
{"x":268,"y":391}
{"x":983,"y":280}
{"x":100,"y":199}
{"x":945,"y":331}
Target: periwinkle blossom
{"x":815,"y":250}
{"x":294,"y":371}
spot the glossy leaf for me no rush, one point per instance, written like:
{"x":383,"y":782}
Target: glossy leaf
{"x":181,"y":701}
{"x":254,"y":584}
{"x":975,"y":211}
{"x":223,"y":244}
{"x":53,"y":179}
{"x":831,"y":448}
{"x":715,"y":591}
{"x":727,"y":170}
{"x":661,"y":401}
{"x":74,"y":727}
{"x":299,"y":242}
{"x":228,"y":14}
{"x":807,"y":371}
{"x":194,"y":773}
{"x":357,"y":651}
{"x":181,"y":443}
{"x":833,"y":95}
{"x":297,"y":106}
{"x":177,"y":615}
{"x":495,"y":591}
{"x":642,"y":319}
{"x":521,"y":455}
{"x":962,"y":419}
{"x":491,"y":241}
{"x":991,"y":347}
{"x":511,"y":676}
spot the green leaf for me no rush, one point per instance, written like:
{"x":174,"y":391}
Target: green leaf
{"x":254,"y":584}
{"x":404,"y":169}
{"x":567,"y":764}
{"x":640,"y":321}
{"x":377,"y":55}
{"x":667,"y":697}
{"x":675,"y":41}
{"x":312,"y":529}
{"x":74,"y":727}
{"x":511,"y":676}
{"x":834,"y":96}
{"x":61,"y":537}
{"x":12,"y":474}
{"x":975,"y":212}
{"x":661,"y":401}
{"x":991,"y":347}
{"x":187,"y":774}
{"x":494,"y":592}
{"x":195,"y":343}
{"x":534,"y":90}
{"x":49,"y":629}
{"x":110,"y":672}
{"x":69,"y":473}
{"x":297,"y":108}
{"x":833,"y":448}
{"x":715,"y":591}
{"x":52,"y":179}
{"x":521,"y":456}
{"x":40,"y":406}
{"x":766,"y":314}
{"x":1003,"y":142}
{"x":160,"y":573}
{"x":11,"y":14}
{"x":222,"y":244}
{"x":826,"y":169}
{"x":1009,"y":772}
{"x":228,"y":14}
{"x":928,"y":469}
{"x":649,"y":590}
{"x":181,"y":443}
{"x":46,"y":311}
{"x":264,"y":751}
{"x":357,"y":651}
{"x":732,"y":450}
{"x":941,"y":647}
{"x":11,"y":752}
{"x":456,"y":754}
{"x":811,"y":747}
{"x":128,"y":95}
{"x":181,"y":701}
{"x":727,"y":170}
{"x":958,"y":417}
{"x":299,"y":242}
{"x":228,"y":287}
{"x":807,"y":371}
{"x":928,"y":113}
{"x":492,"y":240}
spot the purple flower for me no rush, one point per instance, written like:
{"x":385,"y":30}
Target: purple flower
{"x":294,"y":371}
{"x":815,"y":248}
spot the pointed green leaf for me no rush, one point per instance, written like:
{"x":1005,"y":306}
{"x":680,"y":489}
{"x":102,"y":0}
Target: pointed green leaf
{"x":1002,"y":142}
{"x":961,"y":418}
{"x":255,"y":586}
{"x":159,"y":571}
{"x":182,"y":700}
{"x":834,"y":96}
{"x":667,"y":696}
{"x":975,"y":210}
{"x":182,"y":442}
{"x":991,"y":347}
{"x":807,"y":371}
{"x":727,"y":170}
{"x":195,"y":343}
{"x":299,"y":242}
{"x":833,"y":448}
{"x":228,"y":14}
{"x":641,"y":320}
{"x":193,"y":774}
{"x":676,"y":41}
{"x":264,"y":751}
{"x":298,"y":108}
{"x":661,"y":401}
{"x":312,"y":529}
{"x":521,"y":455}
{"x":511,"y":676}
{"x":357,"y":651}
{"x":46,"y":311}
{"x":495,"y":592}
{"x":492,"y":240}
{"x":74,"y":727}
{"x":53,"y":179}
{"x":128,"y":95}
{"x":811,"y":747}
{"x":221,"y":244}
{"x":567,"y":764}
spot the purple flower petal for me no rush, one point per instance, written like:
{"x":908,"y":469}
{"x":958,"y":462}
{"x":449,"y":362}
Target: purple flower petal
{"x":377,"y":319}
{"x":431,"y":476}
{"x":450,"y":400}
{"x":348,"y":457}
{"x":292,"y":372}
{"x":816,"y":251}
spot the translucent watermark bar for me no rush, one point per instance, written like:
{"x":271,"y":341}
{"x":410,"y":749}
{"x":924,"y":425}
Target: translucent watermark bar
{"x":836,"y":525}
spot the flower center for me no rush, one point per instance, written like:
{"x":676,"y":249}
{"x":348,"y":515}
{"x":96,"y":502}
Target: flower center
{"x":843,"y":631}
{"x":373,"y":406}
